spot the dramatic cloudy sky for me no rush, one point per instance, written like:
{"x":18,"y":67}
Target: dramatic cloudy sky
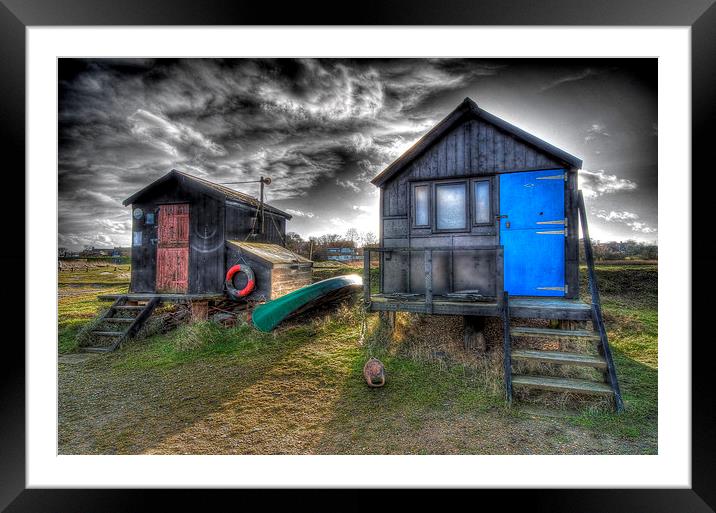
{"x":321,"y":129}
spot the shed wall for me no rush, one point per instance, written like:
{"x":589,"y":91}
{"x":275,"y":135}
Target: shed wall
{"x":240,"y":218}
{"x":206,"y":241}
{"x":272,"y":281}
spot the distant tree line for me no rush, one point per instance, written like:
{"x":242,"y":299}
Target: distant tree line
{"x":624,"y":250}
{"x":317,"y":248}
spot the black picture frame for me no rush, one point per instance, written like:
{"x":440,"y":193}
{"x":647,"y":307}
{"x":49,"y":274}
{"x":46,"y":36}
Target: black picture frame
{"x":16,"y":15}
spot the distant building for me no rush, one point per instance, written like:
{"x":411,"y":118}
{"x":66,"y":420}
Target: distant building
{"x":121,"y":252}
{"x":95,"y":252}
{"x":345,"y":254}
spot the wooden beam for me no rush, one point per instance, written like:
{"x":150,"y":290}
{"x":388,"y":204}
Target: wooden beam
{"x":366,"y":275}
{"x":507,"y":347}
{"x":199,"y":311}
{"x":500,"y":274}
{"x":474,"y":333}
{"x":429,"y":280}
{"x":597,"y":307}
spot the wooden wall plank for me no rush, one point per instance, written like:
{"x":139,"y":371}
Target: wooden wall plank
{"x":451,"y":171}
{"x":530,"y":157}
{"x":499,"y":141}
{"x":467,"y":136}
{"x":460,"y":150}
{"x":490,"y":148}
{"x":520,"y":161}
{"x":402,"y":196}
{"x":509,"y":152}
{"x":482,"y":148}
{"x":442,"y":158}
{"x":474,"y":146}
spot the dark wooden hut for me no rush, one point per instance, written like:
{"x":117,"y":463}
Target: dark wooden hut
{"x":181,"y":228}
{"x":483,"y":195}
{"x":480,"y":218}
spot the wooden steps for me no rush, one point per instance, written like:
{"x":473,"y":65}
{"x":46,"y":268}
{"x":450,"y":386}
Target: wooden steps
{"x":138,"y":314}
{"x":559,"y":358}
{"x":529,"y":308}
{"x":556,"y":384}
{"x":524,"y":331}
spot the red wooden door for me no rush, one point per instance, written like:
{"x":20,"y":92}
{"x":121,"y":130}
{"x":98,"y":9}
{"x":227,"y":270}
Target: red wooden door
{"x":173,"y":249}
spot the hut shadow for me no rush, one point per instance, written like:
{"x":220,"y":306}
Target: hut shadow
{"x":371,"y":421}
{"x":106,"y":411}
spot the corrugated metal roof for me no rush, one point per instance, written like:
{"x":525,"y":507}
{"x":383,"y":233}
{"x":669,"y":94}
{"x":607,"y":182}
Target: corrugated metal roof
{"x":272,"y":253}
{"x":226,"y":192}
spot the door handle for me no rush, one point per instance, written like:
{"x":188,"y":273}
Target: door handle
{"x":501,"y":216}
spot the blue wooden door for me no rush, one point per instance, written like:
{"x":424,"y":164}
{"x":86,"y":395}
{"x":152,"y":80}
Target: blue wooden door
{"x":533,"y":232}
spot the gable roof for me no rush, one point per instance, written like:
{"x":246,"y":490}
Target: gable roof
{"x":469,"y":109}
{"x":211,"y":188}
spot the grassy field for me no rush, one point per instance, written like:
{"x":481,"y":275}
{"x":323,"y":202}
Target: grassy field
{"x":207,"y":389}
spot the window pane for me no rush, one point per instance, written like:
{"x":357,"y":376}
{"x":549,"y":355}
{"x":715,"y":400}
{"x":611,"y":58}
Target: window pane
{"x":450,"y":205}
{"x":421,"y":206}
{"x":482,"y":202}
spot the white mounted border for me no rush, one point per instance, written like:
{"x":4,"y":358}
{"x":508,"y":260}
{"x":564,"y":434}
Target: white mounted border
{"x":671,"y":467}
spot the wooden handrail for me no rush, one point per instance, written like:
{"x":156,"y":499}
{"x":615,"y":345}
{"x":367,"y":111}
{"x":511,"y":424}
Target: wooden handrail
{"x":597,"y":305}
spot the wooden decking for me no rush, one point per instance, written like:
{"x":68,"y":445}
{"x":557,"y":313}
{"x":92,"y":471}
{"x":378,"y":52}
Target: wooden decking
{"x":520,"y":307}
{"x":163,"y":297}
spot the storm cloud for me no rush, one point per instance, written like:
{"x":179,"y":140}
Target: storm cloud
{"x":322,"y":128}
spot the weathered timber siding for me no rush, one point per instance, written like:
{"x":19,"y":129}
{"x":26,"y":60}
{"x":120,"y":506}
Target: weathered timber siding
{"x":206,"y":240}
{"x":471,"y":148}
{"x":289,"y":277}
{"x":272,"y":281}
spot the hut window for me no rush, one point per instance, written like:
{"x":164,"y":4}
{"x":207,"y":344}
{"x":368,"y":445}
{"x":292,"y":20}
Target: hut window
{"x":136,"y":238}
{"x":421,"y":214}
{"x":483,"y":207}
{"x":451,"y":206}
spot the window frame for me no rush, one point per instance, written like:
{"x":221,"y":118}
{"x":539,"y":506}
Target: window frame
{"x":473,"y":201}
{"x":413,"y":218}
{"x":438,"y":183}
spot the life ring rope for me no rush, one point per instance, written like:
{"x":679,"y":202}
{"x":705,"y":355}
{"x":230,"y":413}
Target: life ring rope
{"x":251,"y":281}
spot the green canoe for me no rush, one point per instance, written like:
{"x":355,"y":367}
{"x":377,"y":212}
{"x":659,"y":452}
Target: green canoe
{"x":269,"y":315}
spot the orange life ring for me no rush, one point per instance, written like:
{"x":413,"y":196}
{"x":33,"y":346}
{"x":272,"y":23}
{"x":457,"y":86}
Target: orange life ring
{"x":233,"y":291}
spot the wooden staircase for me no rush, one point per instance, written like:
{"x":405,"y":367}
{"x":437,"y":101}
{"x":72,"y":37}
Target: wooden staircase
{"x":602,"y":361}
{"x":119,"y":323}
